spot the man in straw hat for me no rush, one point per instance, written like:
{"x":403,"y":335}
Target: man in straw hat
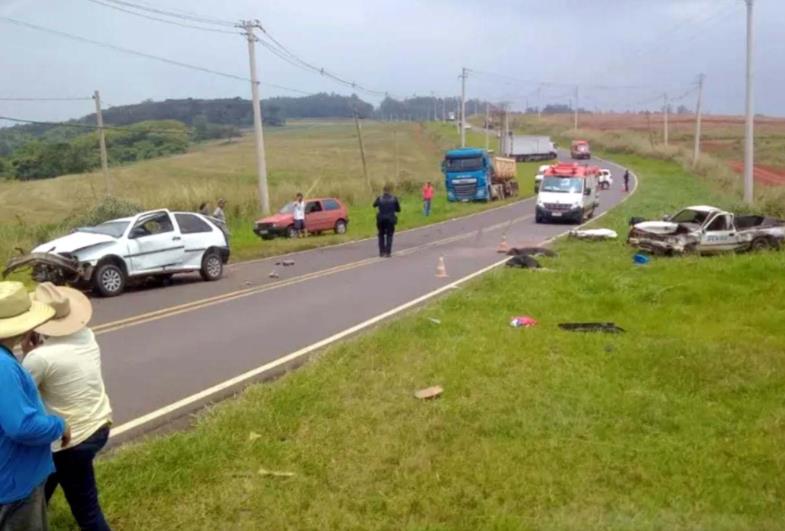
{"x":26,"y":430}
{"x":67,"y":369}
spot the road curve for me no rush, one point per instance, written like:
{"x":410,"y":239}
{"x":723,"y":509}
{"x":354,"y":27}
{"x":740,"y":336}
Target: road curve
{"x":168,"y":351}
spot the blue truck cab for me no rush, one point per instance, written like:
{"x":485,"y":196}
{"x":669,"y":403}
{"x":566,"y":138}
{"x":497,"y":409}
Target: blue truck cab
{"x":468,"y":174}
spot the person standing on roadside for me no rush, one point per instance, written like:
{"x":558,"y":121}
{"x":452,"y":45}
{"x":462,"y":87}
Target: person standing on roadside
{"x":26,"y":430}
{"x":626,"y":180}
{"x":67,"y":369}
{"x":298,"y":211}
{"x":387,"y":206}
{"x":427,"y":196}
{"x":204,"y":209}
{"x":218,"y":213}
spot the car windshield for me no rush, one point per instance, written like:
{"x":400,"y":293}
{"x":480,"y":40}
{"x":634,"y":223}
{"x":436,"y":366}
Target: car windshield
{"x":469,"y":164}
{"x":115,"y":229}
{"x":690,"y":216}
{"x":562,"y":185}
{"x":287,"y":209}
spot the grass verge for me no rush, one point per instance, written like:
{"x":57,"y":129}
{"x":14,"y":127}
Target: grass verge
{"x":676,"y":424}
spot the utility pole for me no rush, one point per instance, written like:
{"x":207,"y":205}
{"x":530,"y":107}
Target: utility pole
{"x":261,"y":160}
{"x":749,"y":126}
{"x":487,"y":126}
{"x":463,"y":107}
{"x":362,"y":148}
{"x":577,"y":103}
{"x":698,"y":117}
{"x":99,"y":119}
{"x":665,"y":110}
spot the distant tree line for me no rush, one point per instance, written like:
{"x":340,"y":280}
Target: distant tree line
{"x":152,"y":129}
{"x":423,"y":108}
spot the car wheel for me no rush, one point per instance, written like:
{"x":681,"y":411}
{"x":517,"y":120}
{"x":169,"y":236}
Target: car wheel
{"x":537,"y":218}
{"x":340,"y":227}
{"x":109,"y":280}
{"x":212,"y":266}
{"x":291,"y":232}
{"x":760,"y":244}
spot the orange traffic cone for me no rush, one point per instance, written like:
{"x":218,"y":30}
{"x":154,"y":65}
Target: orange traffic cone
{"x":503,"y":247}
{"x":441,"y":269}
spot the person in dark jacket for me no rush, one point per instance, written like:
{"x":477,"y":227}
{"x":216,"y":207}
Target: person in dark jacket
{"x":387,"y":206}
{"x":626,"y":180}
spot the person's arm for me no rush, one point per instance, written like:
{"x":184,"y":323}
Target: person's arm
{"x":20,"y":418}
{"x":397,"y":205}
{"x":37,"y":366}
{"x":376,"y":203}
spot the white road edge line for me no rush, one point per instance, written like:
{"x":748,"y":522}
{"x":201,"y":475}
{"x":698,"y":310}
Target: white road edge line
{"x":206,"y":393}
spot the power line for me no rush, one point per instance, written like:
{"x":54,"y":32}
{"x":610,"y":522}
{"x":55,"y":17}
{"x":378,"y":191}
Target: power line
{"x":93,"y":127}
{"x":158,"y":19}
{"x":182,"y":15}
{"x":46,"y":99}
{"x":121,"y":49}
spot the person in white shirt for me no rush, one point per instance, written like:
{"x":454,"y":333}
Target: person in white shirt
{"x":65,"y":361}
{"x":299,"y":215}
{"x":219,"y":211}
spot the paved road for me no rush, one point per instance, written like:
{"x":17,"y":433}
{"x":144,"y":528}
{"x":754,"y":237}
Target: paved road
{"x":165,"y":345}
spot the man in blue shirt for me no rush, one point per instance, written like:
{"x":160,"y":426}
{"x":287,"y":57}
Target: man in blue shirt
{"x":26,"y":430}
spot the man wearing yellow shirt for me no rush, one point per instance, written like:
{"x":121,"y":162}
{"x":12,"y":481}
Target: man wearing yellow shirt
{"x":66,"y":366}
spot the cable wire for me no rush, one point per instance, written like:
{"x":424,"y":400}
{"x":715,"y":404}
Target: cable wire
{"x":46,"y":99}
{"x":121,"y":49}
{"x":182,"y":15}
{"x":158,"y":19}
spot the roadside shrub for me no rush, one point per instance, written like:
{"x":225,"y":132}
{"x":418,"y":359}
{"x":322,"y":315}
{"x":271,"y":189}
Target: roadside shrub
{"x":106,"y":209}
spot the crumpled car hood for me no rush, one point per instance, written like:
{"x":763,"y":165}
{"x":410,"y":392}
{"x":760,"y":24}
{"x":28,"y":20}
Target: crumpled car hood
{"x":657,"y":227}
{"x":73,"y":242}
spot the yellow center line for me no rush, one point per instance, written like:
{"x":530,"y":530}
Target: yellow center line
{"x":233,"y":295}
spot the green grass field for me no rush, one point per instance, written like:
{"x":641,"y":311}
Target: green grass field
{"x":320,"y":157}
{"x":675,"y":424}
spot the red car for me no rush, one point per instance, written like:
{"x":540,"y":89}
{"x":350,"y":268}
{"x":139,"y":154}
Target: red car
{"x":321,"y":214}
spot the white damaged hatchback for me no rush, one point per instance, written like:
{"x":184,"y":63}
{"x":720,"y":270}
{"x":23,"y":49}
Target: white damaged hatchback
{"x":108,"y":256}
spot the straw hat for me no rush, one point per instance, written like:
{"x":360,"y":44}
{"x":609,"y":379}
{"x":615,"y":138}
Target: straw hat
{"x":72,"y":309}
{"x":19,"y":314}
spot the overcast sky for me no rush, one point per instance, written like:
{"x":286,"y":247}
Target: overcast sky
{"x":403,"y":47}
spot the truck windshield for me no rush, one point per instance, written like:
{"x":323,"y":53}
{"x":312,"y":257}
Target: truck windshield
{"x":115,"y":229}
{"x":470,"y":164}
{"x":562,"y":185}
{"x":690,"y":216}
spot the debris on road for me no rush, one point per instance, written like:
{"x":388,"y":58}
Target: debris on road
{"x":429,"y":393}
{"x":641,"y":259}
{"x":253,"y":436}
{"x":609,"y":328}
{"x":275,"y":473}
{"x":594,"y":234}
{"x":523,"y":261}
{"x":434,"y":320}
{"x":285,"y":263}
{"x":274,"y":274}
{"x":523,"y":321}
{"x":532,"y":251}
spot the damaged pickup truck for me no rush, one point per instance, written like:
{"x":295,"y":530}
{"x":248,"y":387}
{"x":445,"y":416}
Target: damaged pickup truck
{"x":707,"y":230}
{"x":151,"y":244}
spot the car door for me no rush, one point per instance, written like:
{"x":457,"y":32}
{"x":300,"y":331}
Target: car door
{"x":196,"y":234}
{"x":718,"y":235}
{"x":154,"y":244}
{"x":315,"y":216}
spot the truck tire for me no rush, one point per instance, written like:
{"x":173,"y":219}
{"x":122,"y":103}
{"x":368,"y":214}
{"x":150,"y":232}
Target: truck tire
{"x":109,"y":280}
{"x":212,"y":266}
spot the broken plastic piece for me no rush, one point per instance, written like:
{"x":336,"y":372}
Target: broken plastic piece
{"x":532,"y":251}
{"x":429,"y":392}
{"x":523,"y":321}
{"x":594,"y":234}
{"x":275,"y":473}
{"x":274,"y":274}
{"x":609,"y":328}
{"x":641,"y":259}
